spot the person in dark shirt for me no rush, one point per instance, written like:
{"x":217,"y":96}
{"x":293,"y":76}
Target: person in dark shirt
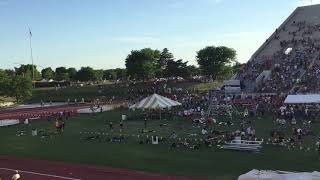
{"x":63,"y":125}
{"x":145,"y":122}
{"x":318,"y":146}
{"x":111,"y":125}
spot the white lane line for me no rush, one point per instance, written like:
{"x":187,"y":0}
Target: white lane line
{"x":41,"y":174}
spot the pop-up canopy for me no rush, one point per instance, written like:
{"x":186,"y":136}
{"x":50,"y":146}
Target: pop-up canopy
{"x":279,"y":175}
{"x":303,"y":99}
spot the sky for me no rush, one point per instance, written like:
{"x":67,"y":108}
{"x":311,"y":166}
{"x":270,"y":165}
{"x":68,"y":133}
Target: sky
{"x":101,"y":33}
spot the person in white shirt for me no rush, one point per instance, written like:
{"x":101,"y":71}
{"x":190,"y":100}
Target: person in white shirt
{"x":16,"y":176}
{"x":202,"y":112}
{"x":204,"y":131}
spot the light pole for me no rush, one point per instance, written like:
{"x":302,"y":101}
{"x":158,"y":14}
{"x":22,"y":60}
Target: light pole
{"x":31,"y":56}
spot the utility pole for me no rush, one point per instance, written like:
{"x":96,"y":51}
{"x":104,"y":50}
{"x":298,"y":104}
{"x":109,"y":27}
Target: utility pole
{"x":31,"y":56}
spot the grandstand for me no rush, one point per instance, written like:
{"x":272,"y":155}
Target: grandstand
{"x":289,"y":60}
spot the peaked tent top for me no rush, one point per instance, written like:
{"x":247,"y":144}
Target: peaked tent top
{"x":155,"y":101}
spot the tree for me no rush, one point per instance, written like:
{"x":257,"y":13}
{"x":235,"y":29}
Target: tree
{"x":61,"y":74}
{"x":236,"y":67}
{"x":20,"y":88}
{"x":176,"y":68}
{"x":10,"y":72}
{"x":226,"y":73}
{"x":110,"y":74}
{"x":86,"y":74}
{"x":27,"y":71}
{"x":193,"y":70}
{"x":212,"y":60}
{"x":165,"y":56}
{"x":72,"y":72}
{"x":5,"y":83}
{"x":17,"y":86}
{"x":121,"y":73}
{"x":142,"y":64}
{"x":47,"y":73}
{"x":98,"y":74}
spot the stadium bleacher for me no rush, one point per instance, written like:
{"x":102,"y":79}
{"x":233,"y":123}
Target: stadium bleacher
{"x":291,"y":54}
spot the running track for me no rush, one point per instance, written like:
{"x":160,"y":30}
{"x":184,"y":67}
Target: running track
{"x":31,"y":169}
{"x":16,"y":113}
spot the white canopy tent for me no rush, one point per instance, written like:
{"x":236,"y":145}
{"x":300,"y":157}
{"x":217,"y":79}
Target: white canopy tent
{"x":260,"y":175}
{"x":8,"y":122}
{"x":279,"y":175}
{"x":303,"y":99}
{"x":155,"y":101}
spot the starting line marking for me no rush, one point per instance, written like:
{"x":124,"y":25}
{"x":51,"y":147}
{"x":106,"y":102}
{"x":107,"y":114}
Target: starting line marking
{"x":41,"y":174}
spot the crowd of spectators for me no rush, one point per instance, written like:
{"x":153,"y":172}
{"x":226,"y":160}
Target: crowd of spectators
{"x":294,"y":64}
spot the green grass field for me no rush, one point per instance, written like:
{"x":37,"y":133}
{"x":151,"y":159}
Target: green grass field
{"x":211,"y":163}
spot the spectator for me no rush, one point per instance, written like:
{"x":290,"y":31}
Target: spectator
{"x":16,"y":176}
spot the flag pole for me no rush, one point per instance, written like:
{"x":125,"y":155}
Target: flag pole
{"x":31,"y":56}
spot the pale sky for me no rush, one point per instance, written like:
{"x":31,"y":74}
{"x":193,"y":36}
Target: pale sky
{"x":101,"y":33}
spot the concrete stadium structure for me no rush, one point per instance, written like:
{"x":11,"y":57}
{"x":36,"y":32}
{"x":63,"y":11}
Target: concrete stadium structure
{"x":289,"y":59}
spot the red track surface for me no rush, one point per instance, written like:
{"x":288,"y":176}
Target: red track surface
{"x":31,"y":169}
{"x":32,"y":112}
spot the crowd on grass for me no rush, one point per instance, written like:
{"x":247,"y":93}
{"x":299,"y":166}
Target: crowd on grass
{"x":294,"y":67}
{"x":291,"y":123}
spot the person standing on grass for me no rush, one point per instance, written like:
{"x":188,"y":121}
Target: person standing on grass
{"x":57,"y":126}
{"x":145,"y":122}
{"x":111,"y":125}
{"x":121,"y":126}
{"x":318,"y":146}
{"x":16,"y":176}
{"x":63,"y":123}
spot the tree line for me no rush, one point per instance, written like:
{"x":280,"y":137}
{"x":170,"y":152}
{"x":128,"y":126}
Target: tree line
{"x":68,"y":74}
{"x":216,"y":62}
